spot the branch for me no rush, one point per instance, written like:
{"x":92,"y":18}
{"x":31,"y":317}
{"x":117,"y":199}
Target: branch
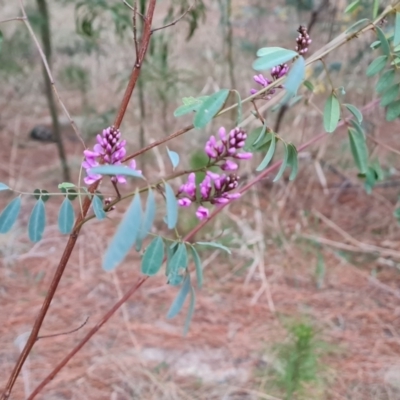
{"x":87,"y":337}
{"x":173,"y":22}
{"x":13,"y":19}
{"x":328,"y":48}
{"x":85,"y":207}
{"x":64,"y":333}
{"x":49,"y":74}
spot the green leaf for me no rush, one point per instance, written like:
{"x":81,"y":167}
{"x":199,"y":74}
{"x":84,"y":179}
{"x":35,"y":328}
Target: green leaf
{"x":116,"y":170}
{"x":37,"y":222}
{"x":293,"y":161}
{"x":331,"y":113}
{"x":393,"y":111}
{"x":3,"y":186}
{"x":153,"y":257}
{"x":384,"y":42}
{"x":261,"y":136}
{"x":362,"y":23}
{"x":352,"y":6}
{"x":377,"y":65}
{"x":172,"y":206}
{"x":66,"y":185}
{"x":357,"y":127}
{"x":396,"y":39}
{"x":177,"y":304}
{"x":210,"y":108}
{"x":149,"y":215}
{"x":359,"y":149}
{"x":309,"y":85}
{"x":190,"y":104}
{"x":375,"y":45}
{"x":66,"y":217}
{"x":1,"y":40}
{"x":385,"y":81}
{"x":125,"y":236}
{"x":215,"y":245}
{"x":389,"y":96}
{"x":266,"y":51}
{"x":258,"y":140}
{"x":295,"y":76}
{"x":199,"y":268}
{"x":174,"y":158}
{"x":190,"y":313}
{"x":375,"y":9}
{"x":176,"y":264}
{"x":355,"y":111}
{"x":98,"y":208}
{"x":284,"y":163}
{"x":270,"y":153}
{"x":10,"y":215}
{"x":271,"y":57}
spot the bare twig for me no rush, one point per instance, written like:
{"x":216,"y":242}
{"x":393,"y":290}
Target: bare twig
{"x":64,"y":333}
{"x":365,"y":247}
{"x":46,"y":40}
{"x":135,"y":38}
{"x":12,"y":19}
{"x":46,"y":65}
{"x":384,"y":145}
{"x":173,"y":22}
{"x":71,"y":354}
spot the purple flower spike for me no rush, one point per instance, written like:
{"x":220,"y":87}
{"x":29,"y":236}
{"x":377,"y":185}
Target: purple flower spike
{"x":216,"y":188}
{"x":109,"y":150}
{"x":303,"y":40}
{"x":202,"y":213}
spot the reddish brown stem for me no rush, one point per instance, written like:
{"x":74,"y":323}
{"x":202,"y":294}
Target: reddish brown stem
{"x":74,"y":235}
{"x":158,"y":142}
{"x":87,"y":337}
{"x":148,"y":19}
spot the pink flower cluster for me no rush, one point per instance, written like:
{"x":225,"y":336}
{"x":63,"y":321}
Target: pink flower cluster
{"x":303,"y":41}
{"x":215,"y":188}
{"x":110,"y":149}
{"x":276,"y":73}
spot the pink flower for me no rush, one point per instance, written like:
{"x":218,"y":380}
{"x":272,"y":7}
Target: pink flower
{"x":229,"y":165}
{"x":202,"y":213}
{"x":184,"y":202}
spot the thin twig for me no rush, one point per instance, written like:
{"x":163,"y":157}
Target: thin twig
{"x":362,"y":246}
{"x":64,"y":333}
{"x":173,"y":22}
{"x":75,"y":350}
{"x":134,"y":27}
{"x":13,"y":19}
{"x":385,"y":146}
{"x":46,"y":65}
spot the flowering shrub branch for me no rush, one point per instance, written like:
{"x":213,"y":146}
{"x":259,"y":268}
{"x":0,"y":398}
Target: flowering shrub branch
{"x":218,"y":189}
